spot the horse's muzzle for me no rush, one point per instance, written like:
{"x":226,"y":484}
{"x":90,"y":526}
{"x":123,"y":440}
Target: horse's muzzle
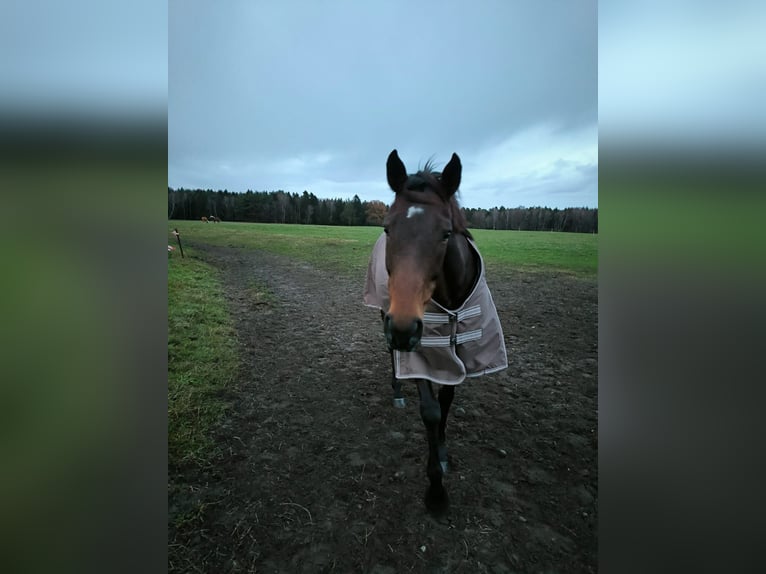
{"x":402,"y":339}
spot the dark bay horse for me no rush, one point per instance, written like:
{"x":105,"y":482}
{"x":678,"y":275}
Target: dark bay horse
{"x":427,"y":257}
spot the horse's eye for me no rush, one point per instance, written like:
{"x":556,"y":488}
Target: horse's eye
{"x":447,"y":235}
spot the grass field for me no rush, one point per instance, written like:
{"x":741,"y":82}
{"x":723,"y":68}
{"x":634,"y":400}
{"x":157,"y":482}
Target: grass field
{"x":347,"y":249}
{"x":202,"y":361}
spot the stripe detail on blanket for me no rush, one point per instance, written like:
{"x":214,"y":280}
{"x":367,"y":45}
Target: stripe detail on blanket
{"x":446,"y":341}
{"x":460,"y":315}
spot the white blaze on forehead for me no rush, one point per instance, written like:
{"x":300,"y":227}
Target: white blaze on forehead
{"x":414,"y":210}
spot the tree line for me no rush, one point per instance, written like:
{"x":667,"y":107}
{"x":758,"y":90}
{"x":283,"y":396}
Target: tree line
{"x":284,"y":207}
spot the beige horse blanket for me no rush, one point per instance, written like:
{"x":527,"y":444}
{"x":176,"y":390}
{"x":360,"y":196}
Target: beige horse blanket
{"x":456,"y":343}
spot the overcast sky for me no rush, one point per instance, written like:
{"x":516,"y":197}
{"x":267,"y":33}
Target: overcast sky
{"x":305,"y":95}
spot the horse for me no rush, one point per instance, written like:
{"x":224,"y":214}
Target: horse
{"x":432,"y":272}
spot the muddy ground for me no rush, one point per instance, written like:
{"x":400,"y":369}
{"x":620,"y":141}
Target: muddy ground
{"x":324,"y":475}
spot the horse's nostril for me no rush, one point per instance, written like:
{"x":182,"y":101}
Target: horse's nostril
{"x":403,"y":339}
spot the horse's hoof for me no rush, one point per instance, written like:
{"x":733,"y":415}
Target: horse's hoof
{"x":399,"y":403}
{"x":443,"y":457}
{"x":437,"y":501}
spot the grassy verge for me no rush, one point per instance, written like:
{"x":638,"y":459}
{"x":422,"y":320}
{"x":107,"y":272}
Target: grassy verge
{"x":341,"y":249}
{"x":573,"y":253}
{"x":347,"y":249}
{"x":202,"y":361}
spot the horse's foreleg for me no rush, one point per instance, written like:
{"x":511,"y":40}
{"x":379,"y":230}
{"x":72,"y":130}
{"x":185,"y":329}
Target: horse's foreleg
{"x":446,"y":394}
{"x":396,"y":384}
{"x":431,"y":413}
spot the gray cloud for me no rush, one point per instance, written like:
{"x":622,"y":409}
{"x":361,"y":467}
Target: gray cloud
{"x":308,"y":95}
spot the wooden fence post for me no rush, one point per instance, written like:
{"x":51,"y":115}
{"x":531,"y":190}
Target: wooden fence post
{"x":178,"y":238}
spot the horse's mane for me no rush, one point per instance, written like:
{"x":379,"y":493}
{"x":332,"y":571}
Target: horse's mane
{"x":427,"y":177}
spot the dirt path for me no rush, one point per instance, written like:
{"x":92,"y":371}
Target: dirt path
{"x":324,"y":475}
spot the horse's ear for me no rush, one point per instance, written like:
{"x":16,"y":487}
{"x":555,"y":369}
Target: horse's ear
{"x":451,"y":175}
{"x":396,"y":172}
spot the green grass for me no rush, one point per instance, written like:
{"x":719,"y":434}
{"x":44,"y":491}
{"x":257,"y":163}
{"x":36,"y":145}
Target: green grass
{"x":574,"y":253}
{"x":342,"y":249}
{"x":347,"y":249}
{"x":202,"y":360}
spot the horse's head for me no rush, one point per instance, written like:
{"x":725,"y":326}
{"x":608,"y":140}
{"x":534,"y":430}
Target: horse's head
{"x":418,"y":227}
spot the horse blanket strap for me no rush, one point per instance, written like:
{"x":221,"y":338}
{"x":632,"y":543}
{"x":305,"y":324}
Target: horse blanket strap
{"x":456,"y":343}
